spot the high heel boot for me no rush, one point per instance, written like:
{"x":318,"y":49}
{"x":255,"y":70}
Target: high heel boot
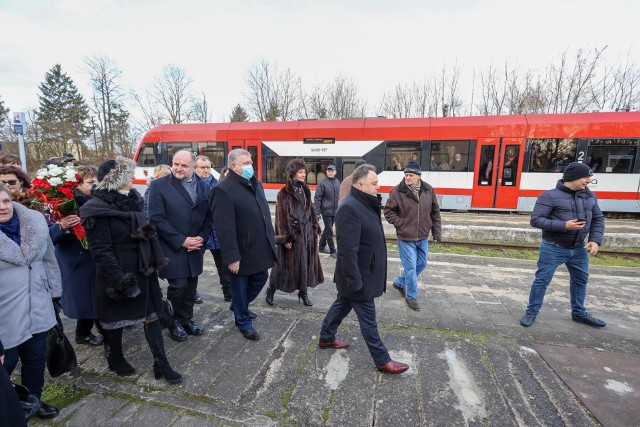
{"x":161,"y":367}
{"x":270,"y":293}
{"x":113,"y":353}
{"x":302,"y":295}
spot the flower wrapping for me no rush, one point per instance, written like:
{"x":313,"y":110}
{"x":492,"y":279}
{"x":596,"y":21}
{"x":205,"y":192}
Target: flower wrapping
{"x":52,"y":189}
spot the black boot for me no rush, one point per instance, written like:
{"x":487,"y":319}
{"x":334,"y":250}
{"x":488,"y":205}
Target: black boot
{"x":270,"y":293}
{"x":302,"y":295}
{"x":161,"y":367}
{"x":113,"y":353}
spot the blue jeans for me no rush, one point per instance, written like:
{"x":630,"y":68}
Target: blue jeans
{"x":550,"y":258}
{"x":31,"y":354}
{"x":413,"y":256}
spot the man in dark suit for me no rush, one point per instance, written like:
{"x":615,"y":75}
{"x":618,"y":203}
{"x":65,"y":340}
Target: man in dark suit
{"x":179,"y":209}
{"x":247,"y":243}
{"x":361,"y":269}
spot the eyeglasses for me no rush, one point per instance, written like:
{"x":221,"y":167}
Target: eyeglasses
{"x":10,"y":181}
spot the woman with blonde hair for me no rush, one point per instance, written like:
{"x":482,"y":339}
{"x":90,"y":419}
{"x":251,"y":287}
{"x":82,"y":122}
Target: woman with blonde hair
{"x":158,"y":172}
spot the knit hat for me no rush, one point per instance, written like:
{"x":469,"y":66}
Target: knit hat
{"x":575,"y":171}
{"x":413,"y":167}
{"x":114,"y":174}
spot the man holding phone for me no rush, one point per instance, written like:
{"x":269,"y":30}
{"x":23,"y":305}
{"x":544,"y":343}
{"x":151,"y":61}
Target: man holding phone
{"x":567,"y":216}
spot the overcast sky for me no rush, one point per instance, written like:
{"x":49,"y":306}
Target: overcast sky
{"x":376,"y":43}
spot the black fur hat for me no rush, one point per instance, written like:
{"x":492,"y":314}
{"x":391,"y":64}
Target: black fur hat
{"x":293,"y":167}
{"x":114,"y":174}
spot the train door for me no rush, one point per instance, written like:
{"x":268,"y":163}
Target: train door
{"x":253,"y":146}
{"x":498,"y":166}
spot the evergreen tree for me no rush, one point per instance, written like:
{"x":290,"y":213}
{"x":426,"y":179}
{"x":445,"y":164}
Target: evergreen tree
{"x":239,"y":114}
{"x":3,"y":113}
{"x":63,"y":114}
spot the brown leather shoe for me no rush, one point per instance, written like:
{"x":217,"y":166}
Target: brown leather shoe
{"x":393,"y":367}
{"x":334,"y":344}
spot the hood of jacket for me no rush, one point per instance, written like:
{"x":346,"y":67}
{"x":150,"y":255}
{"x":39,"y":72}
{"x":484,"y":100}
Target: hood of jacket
{"x":33,"y":231}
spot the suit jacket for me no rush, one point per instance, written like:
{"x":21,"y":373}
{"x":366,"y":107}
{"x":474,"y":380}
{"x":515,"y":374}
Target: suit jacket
{"x":243,"y":224}
{"x":361,"y":268}
{"x":176,"y":217}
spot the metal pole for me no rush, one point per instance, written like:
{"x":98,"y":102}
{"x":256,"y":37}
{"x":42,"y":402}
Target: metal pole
{"x":23,"y":152}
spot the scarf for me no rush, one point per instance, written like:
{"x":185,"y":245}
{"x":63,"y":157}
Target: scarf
{"x":416,"y":189}
{"x":12,"y":228}
{"x":151,"y":259}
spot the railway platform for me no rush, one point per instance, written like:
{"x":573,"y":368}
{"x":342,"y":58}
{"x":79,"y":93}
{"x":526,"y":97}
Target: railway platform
{"x":471,"y":362}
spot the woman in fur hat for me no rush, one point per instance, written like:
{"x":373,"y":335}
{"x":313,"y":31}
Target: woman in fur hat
{"x":297,"y":227}
{"x":127,"y":255}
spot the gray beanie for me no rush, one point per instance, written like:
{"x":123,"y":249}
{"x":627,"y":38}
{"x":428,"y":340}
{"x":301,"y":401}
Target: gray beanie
{"x":575,"y":171}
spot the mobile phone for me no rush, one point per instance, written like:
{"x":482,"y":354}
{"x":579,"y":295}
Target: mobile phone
{"x":581,"y":220}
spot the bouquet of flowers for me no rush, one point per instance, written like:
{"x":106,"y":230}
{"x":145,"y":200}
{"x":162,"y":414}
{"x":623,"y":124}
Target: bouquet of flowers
{"x":53,"y":191}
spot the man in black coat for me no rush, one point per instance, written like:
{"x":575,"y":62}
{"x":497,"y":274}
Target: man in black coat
{"x":179,"y":209}
{"x":326,"y":204}
{"x":361,"y":269}
{"x":247,"y":243}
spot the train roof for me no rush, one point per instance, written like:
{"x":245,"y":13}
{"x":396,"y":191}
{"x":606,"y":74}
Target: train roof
{"x":610,"y":124}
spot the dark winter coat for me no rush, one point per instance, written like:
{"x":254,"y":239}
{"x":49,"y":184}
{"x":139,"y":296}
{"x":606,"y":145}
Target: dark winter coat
{"x":557,"y":206}
{"x":116,"y":255}
{"x":413,"y":218}
{"x":298,"y":268}
{"x":361,"y":268}
{"x":176,"y":217}
{"x":326,"y":198}
{"x":243,"y":224}
{"x":78,"y":273}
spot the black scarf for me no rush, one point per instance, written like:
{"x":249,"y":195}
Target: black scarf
{"x":12,"y":228}
{"x":151,"y":258}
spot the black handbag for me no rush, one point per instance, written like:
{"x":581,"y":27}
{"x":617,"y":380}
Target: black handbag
{"x":166,"y":316}
{"x":60,"y":355}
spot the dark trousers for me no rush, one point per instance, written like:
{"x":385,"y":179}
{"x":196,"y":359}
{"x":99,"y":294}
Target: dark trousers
{"x":84,"y":327}
{"x":182,"y":294}
{"x":327,"y":233}
{"x":11,"y":413}
{"x":366,"y":312}
{"x":31,"y":356}
{"x":223,"y":270}
{"x":244,"y":289}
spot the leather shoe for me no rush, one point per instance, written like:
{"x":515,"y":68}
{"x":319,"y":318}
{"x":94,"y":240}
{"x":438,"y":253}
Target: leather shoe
{"x":528,"y":319}
{"x":400,"y":289}
{"x":334,"y":344}
{"x":412,"y":303}
{"x":177,"y":332}
{"x":251,"y":334}
{"x":588,"y":319}
{"x":393,"y":367}
{"x":47,"y":411}
{"x":93,"y":340}
{"x":198,"y":299}
{"x":192,"y":328}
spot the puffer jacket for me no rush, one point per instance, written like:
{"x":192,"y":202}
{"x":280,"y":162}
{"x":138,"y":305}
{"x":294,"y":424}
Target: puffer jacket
{"x":414,"y":219}
{"x":557,"y":206}
{"x":325,"y":200}
{"x":29,"y":279}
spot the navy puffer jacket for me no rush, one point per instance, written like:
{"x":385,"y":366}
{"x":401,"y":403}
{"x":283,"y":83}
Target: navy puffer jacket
{"x":557,"y":206}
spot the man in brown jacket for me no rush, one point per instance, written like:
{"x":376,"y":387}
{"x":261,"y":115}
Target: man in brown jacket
{"x":413,"y":210}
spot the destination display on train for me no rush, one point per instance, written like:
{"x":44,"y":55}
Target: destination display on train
{"x":319,"y":141}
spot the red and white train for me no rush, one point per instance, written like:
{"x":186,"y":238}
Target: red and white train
{"x":474,"y":163}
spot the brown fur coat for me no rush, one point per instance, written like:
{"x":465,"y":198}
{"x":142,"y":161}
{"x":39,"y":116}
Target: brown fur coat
{"x":298,"y":268}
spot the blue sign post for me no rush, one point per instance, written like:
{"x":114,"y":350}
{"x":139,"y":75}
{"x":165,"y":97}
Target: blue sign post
{"x":19,"y":126}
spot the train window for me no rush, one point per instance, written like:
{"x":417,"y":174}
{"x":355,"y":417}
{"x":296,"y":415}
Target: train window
{"x":348,"y":166}
{"x":174,"y":147}
{"x":146,"y":156}
{"x":214,"y":151}
{"x":485,"y":176}
{"x":317,"y":168}
{"x":400,"y":153}
{"x":552,"y":154}
{"x":450,"y":156}
{"x":612,"y":155}
{"x":510,"y":169}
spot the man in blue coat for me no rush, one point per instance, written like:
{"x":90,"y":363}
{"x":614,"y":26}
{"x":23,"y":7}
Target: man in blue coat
{"x":361,"y":268}
{"x":179,"y":209}
{"x":567,"y":216}
{"x":247,"y":242}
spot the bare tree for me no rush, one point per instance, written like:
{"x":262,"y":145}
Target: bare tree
{"x":272,"y":94}
{"x":171,"y":92}
{"x":408,"y":100}
{"x":338,"y":99}
{"x":314,"y":105}
{"x":447,"y":91}
{"x":150,"y":114}
{"x":619,"y":86}
{"x":200,"y":110}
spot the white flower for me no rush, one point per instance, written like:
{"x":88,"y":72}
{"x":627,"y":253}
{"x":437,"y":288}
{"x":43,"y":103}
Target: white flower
{"x":54,"y":181}
{"x":42,"y":173}
{"x":56,"y":171}
{"x":70,"y":175}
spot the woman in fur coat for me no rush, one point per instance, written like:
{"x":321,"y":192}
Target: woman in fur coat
{"x":29,"y":280}
{"x":297,"y":231}
{"x":125,"y":249}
